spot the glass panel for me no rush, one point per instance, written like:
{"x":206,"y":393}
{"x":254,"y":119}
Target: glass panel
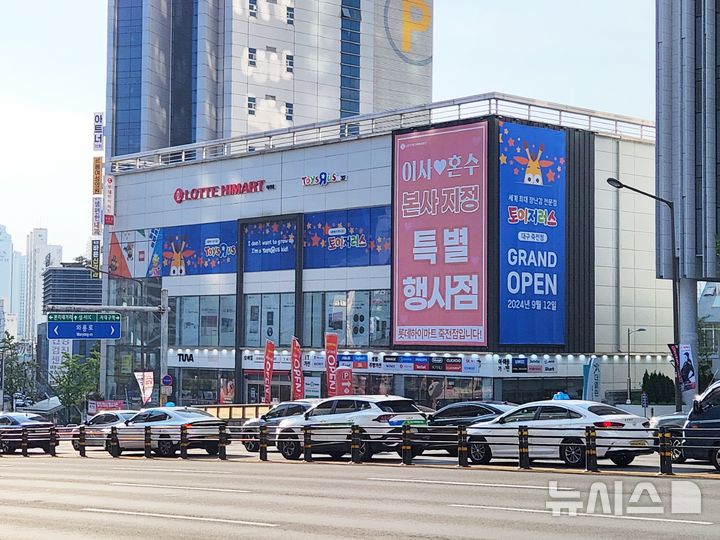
{"x":380,"y":318}
{"x":287,"y":318}
{"x":336,"y":313}
{"x":227,"y":321}
{"x":189,"y":321}
{"x":173,"y":322}
{"x":358,"y":318}
{"x":270,"y":318}
{"x":252,"y":320}
{"x":209,"y":315}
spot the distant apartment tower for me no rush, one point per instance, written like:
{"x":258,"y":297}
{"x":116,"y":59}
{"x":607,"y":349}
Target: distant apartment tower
{"x":40,"y":256}
{"x":6,"y":266}
{"x":184,"y":71}
{"x":17,"y":299}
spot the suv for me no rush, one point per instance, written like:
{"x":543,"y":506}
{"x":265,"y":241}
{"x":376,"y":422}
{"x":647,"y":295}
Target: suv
{"x":380,"y":419}
{"x":702,"y":429}
{"x":250,"y":429}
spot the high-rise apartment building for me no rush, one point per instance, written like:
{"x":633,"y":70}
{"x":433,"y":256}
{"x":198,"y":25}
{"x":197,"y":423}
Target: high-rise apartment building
{"x":184,"y":71}
{"x":6,"y":265}
{"x":17,"y":299}
{"x":40,"y":256}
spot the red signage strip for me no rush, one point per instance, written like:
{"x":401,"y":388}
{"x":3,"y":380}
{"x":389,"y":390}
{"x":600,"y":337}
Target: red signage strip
{"x":296,"y":370}
{"x":331,"y":362}
{"x":210,"y":192}
{"x":268,"y":369}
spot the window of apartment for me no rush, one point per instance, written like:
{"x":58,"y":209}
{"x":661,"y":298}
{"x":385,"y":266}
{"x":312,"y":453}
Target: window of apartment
{"x":252,"y":105}
{"x":289,"y":111}
{"x":290,"y":63}
{"x":269,"y":97}
{"x":291,"y":15}
{"x":252,"y":57}
{"x":270,"y":49}
{"x":252,"y":7}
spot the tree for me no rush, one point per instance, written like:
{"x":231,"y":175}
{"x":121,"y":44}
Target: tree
{"x":77,"y":378}
{"x":19,"y":373}
{"x":704,"y":353}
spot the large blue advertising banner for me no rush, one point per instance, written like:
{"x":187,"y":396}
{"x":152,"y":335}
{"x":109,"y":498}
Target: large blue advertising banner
{"x":209,"y":248}
{"x":270,"y":245}
{"x":532,"y":163}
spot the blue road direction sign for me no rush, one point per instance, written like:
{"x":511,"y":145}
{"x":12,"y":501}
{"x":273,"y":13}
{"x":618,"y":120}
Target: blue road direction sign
{"x":88,"y":326}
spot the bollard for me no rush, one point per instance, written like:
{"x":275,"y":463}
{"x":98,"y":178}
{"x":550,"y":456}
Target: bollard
{"x":263,"y":443}
{"x":355,"y":441}
{"x":307,"y":443}
{"x":1,"y":444}
{"x":462,"y":446}
{"x":53,"y":441}
{"x":665,"y":451}
{"x":81,"y":441}
{"x":406,"y":445}
{"x":591,"y":449}
{"x":24,"y":441}
{"x":524,"y":447}
{"x":148,"y":442}
{"x":222,"y":443}
{"x":183,"y":442}
{"x":114,"y":442}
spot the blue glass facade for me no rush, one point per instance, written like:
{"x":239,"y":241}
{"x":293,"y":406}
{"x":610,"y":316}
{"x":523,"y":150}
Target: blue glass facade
{"x":350,"y":58}
{"x":128,"y":72}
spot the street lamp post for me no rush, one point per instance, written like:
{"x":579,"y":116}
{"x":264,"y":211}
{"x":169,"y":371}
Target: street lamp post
{"x":617,"y":184}
{"x":630,"y":332}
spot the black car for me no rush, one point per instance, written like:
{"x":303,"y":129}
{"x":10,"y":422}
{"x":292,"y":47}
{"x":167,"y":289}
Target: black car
{"x":463,"y":413}
{"x":250,"y":429}
{"x":11,"y":424}
{"x":674,"y":422}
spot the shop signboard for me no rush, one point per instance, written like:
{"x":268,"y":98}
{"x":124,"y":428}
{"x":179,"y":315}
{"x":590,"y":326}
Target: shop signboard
{"x":270,"y":245}
{"x":296,"y":370}
{"x":440,"y":236}
{"x":344,"y":381}
{"x":268,"y":369}
{"x":533,"y":172}
{"x":204,"y":358}
{"x":312,"y":387}
{"x":331,"y":351}
{"x":146,"y":382}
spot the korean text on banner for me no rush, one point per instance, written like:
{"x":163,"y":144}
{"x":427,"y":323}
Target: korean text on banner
{"x":296,"y":370}
{"x":109,"y":200}
{"x":97,"y":176}
{"x":440,"y":236}
{"x":533,"y":171}
{"x":98,"y":132}
{"x":146,"y":382}
{"x":268,"y":369}
{"x":344,"y":381}
{"x":95,"y":259}
{"x":331,"y":363}
{"x":97,"y":209}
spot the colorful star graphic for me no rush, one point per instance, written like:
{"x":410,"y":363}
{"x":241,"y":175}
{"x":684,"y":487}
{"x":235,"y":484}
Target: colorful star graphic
{"x":562,"y":161}
{"x":315,"y":240}
{"x":550,"y":176}
{"x":516,"y":170}
{"x":511,"y":141}
{"x":503,"y":159}
{"x":506,"y":131}
{"x":326,"y":229}
{"x":275,"y":227}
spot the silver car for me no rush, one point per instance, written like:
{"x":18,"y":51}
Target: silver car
{"x":166,"y":422}
{"x":95,"y":427}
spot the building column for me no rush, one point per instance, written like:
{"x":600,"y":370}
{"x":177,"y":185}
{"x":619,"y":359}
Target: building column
{"x":688,"y":315}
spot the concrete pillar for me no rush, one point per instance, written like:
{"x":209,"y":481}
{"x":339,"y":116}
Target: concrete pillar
{"x":688,"y":327}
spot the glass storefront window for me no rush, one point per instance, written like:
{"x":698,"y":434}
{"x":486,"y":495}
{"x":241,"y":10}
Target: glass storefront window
{"x":189,"y":321}
{"x":287,"y":318}
{"x":209,"y":315}
{"x":252,"y":320}
{"x":227,"y":387}
{"x":227,"y":321}
{"x":380,"y":319}
{"x":173,"y":322}
{"x":336,"y":314}
{"x":270,"y":318}
{"x":199,"y":386}
{"x":358,"y":315}
{"x":312,"y":319}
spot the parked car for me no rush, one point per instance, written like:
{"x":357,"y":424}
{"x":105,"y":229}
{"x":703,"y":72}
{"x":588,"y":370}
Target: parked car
{"x":272,"y":419}
{"x":701,"y":433}
{"x":380,"y":419}
{"x":461,"y":413}
{"x":166,"y":423}
{"x":94,"y":427}
{"x":557,"y":431}
{"x":11,"y":425}
{"x":675,"y":423}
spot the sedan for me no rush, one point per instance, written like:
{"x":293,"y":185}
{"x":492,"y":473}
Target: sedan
{"x":94,"y":428}
{"x":271,"y":419}
{"x":674,"y":423}
{"x":557,"y":431}
{"x":38,"y":428}
{"x":166,"y":424}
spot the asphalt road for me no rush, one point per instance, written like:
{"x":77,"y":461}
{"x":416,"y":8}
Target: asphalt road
{"x":133,"y":497}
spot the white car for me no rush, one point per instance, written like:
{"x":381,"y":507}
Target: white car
{"x":96,"y":427}
{"x":557,"y":431}
{"x":380,"y":419}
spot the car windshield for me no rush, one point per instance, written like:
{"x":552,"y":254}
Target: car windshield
{"x":398,"y":406}
{"x":605,"y":410}
{"x":192,"y":413}
{"x":29,"y":418}
{"x":126,"y":415}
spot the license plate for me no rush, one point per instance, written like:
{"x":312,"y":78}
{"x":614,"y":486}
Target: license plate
{"x":638,"y":443}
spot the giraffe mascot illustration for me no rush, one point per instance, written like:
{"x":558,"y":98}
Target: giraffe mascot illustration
{"x":533,"y":167}
{"x":177,"y":256}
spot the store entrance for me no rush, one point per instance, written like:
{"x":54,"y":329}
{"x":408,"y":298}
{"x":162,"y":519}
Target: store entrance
{"x":255,"y":388}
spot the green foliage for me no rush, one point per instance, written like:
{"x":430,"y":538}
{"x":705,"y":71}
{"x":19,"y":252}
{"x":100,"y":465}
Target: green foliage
{"x":77,"y":378}
{"x":19,"y":373}
{"x":659,"y":387}
{"x":705,"y":350}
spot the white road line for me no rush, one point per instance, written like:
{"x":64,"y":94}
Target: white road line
{"x":581,"y":514}
{"x":175,"y":516}
{"x":189,"y":488}
{"x":162,"y":469}
{"x":473,"y":484}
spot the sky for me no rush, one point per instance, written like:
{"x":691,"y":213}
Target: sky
{"x":597,"y":54}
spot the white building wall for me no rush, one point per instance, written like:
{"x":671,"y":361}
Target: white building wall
{"x":40,"y":255}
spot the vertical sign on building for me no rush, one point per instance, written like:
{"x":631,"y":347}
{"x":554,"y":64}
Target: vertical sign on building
{"x":96,"y":216}
{"x":57,"y":349}
{"x":533,"y":171}
{"x":296,"y":370}
{"x":268,"y":362}
{"x":440,"y":237}
{"x":331,"y":363}
{"x":98,"y":132}
{"x":97,"y":186}
{"x":109,"y":200}
{"x":95,"y":258}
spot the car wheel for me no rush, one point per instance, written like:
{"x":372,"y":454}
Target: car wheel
{"x":416,"y":451}
{"x":46,"y":448}
{"x":76,"y":444}
{"x":337,"y":455}
{"x":715,"y":457}
{"x":166,"y":448}
{"x":213,"y":449}
{"x":452,"y":452}
{"x":108,"y":448}
{"x":572,"y":452}
{"x":365,"y":451}
{"x":622,"y":460}
{"x":479,"y":452}
{"x":678,"y":454}
{"x":252,"y":446}
{"x":289,"y":447}
{"x":7,"y":448}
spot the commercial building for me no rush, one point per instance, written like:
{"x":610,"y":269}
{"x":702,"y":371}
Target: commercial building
{"x":181,"y":71}
{"x":482,"y":255}
{"x":40,"y":256}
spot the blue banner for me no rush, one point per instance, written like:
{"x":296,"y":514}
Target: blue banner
{"x":209,"y":248}
{"x":270,"y":245}
{"x":532,"y":165}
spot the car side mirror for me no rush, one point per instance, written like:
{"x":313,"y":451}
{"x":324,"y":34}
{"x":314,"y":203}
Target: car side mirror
{"x":306,"y":415}
{"x":697,"y":409}
{"x":127,"y":422}
{"x":263,"y":418}
{"x":86,"y":422}
{"x":430,"y":416}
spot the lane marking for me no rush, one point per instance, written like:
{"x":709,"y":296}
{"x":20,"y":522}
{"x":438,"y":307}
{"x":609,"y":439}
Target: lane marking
{"x":581,"y":514}
{"x":473,"y":484}
{"x":175,"y":516}
{"x":189,"y":488}
{"x":162,"y":469}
